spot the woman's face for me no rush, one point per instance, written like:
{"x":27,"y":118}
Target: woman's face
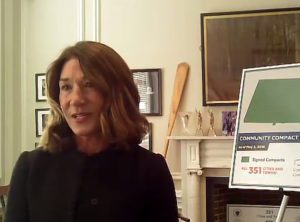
{"x":80,"y":101}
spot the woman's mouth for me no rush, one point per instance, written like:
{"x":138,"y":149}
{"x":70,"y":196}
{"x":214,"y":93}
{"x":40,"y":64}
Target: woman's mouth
{"x":80,"y":116}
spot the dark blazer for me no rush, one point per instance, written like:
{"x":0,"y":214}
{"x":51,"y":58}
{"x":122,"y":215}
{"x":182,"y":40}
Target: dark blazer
{"x":45,"y":187}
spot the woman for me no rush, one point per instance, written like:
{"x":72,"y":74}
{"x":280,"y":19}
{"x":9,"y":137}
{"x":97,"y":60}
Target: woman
{"x":90,"y":167}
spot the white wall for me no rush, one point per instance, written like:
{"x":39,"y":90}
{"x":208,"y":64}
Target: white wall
{"x":148,"y":34}
{"x":34,"y":32}
{"x":10,"y":86}
{"x":161,"y":34}
{"x":46,"y":29}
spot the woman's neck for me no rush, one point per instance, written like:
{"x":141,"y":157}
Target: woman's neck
{"x":90,"y":145}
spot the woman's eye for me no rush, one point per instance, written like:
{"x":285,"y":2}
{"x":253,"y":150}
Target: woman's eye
{"x":88,"y":84}
{"x":65,"y":87}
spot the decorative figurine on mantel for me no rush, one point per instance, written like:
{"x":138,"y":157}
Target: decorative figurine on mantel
{"x":199,"y":129}
{"x":184,"y":117}
{"x":211,"y":130}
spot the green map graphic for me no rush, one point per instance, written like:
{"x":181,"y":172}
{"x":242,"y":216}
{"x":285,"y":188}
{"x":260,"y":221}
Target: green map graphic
{"x":275,"y":101}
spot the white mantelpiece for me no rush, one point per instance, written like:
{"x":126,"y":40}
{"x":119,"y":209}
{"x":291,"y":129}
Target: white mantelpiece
{"x":198,"y":154}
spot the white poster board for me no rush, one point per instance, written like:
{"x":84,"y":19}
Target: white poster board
{"x":266,"y":152}
{"x":260,"y":213}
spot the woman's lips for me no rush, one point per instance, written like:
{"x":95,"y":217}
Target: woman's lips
{"x":80,"y":117}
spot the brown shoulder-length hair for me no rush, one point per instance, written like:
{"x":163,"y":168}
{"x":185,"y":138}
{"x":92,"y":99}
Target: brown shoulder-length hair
{"x":120,"y":122}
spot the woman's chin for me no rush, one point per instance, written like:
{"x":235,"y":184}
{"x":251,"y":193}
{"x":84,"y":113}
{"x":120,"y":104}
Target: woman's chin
{"x":85,"y":133}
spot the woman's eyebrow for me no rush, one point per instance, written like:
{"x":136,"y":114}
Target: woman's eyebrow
{"x":64,"y":79}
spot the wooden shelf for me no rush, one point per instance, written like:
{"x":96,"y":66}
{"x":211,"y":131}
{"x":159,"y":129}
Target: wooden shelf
{"x":200,"y":137}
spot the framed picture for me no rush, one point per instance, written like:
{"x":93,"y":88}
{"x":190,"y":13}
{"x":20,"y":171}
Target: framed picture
{"x":148,"y":82}
{"x":41,"y":116}
{"x":233,"y":41}
{"x":228,"y":123}
{"x":2,"y":213}
{"x":40,"y":87}
{"x":147,"y":141}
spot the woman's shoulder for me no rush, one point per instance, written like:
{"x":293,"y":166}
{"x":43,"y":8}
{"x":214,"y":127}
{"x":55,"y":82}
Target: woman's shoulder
{"x":152,"y":166}
{"x":29,"y":154}
{"x":146,"y":157}
{"x":146,"y":154}
{"x":37,"y":153}
{"x":25,"y":162}
{"x":41,"y":155}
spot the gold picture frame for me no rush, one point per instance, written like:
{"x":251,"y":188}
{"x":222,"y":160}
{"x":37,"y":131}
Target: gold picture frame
{"x":233,"y":41}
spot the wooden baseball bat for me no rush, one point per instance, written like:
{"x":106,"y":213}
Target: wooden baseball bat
{"x":180,"y":79}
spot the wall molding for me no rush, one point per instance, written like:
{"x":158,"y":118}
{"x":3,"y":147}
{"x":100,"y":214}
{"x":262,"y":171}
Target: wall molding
{"x":81,"y":20}
{"x":89,"y":20}
{"x":1,"y":89}
{"x":23,"y":72}
{"x":97,"y":21}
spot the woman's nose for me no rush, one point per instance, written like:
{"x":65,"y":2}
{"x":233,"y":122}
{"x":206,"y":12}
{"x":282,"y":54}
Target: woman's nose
{"x":77,"y":96}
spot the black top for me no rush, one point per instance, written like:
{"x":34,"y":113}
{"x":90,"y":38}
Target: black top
{"x":112,"y":186}
{"x":100,"y":194}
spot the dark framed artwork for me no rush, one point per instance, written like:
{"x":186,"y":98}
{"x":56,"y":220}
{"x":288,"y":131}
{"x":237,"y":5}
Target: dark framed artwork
{"x":147,"y":140}
{"x":40,"y":87}
{"x":148,"y":82}
{"x":229,"y":123}
{"x":41,"y":116}
{"x":233,"y":41}
{"x":2,"y":211}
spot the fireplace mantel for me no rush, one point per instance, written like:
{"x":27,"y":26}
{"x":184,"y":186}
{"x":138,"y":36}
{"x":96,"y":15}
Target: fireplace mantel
{"x":198,"y":154}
